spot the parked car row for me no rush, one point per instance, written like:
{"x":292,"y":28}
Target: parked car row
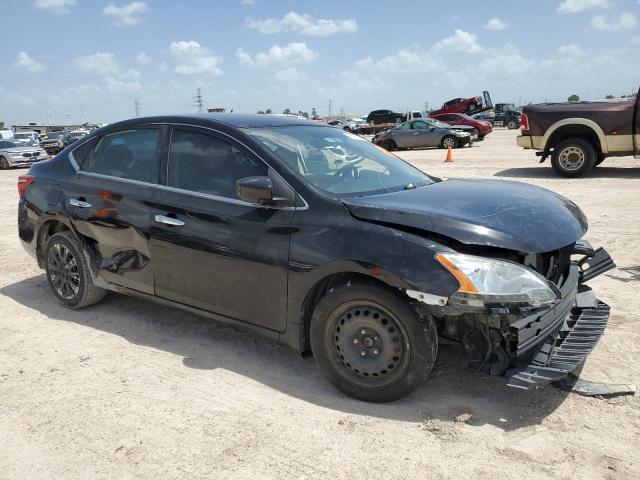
{"x":24,"y":148}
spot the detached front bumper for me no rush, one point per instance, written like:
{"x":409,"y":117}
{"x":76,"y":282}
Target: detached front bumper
{"x":550,"y":345}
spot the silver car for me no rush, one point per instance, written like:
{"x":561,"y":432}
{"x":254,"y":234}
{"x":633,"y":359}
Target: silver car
{"x":423,"y":133}
{"x":14,"y":154}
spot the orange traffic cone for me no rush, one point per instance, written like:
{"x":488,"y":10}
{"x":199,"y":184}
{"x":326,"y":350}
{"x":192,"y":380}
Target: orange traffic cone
{"x":449,"y":155}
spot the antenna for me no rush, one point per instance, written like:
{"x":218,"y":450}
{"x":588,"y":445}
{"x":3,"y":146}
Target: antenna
{"x":197,"y":100}
{"x":137,"y":106}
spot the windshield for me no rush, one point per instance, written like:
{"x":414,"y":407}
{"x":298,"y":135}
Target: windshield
{"x":22,"y":135}
{"x":339,"y":162}
{"x":54,"y":135}
{"x":7,"y":144}
{"x":438,"y":123}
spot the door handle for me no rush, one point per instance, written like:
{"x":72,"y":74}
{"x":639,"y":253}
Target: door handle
{"x":174,"y":222}
{"x":76,"y":202}
{"x":416,"y":133}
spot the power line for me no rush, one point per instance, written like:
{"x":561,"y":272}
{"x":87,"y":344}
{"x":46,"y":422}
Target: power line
{"x":137,"y":106}
{"x":197,"y":100}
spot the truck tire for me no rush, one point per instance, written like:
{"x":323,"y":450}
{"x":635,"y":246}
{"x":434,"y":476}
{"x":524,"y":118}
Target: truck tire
{"x":512,"y":124}
{"x":573,"y":157}
{"x":370,"y":343}
{"x":599,"y":158}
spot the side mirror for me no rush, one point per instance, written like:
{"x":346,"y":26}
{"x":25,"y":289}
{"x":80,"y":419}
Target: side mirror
{"x":255,"y":189}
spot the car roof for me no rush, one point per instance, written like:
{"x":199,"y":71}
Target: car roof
{"x":238,"y":120}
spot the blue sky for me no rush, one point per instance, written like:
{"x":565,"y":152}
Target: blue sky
{"x":58,"y":55}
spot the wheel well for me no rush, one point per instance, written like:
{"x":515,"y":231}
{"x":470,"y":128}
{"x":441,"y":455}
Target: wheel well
{"x":321,"y":287}
{"x":574,"y":131}
{"x":47,"y":229}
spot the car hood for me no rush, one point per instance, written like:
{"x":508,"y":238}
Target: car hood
{"x":19,"y":149}
{"x":496,"y":213}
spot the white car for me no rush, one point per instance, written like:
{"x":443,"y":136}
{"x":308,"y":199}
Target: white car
{"x":31,"y":139}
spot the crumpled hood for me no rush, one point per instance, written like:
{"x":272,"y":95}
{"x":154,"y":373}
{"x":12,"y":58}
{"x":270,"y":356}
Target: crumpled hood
{"x":497,"y":213}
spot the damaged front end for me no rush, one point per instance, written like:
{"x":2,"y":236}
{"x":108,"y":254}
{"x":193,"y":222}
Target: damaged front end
{"x":539,"y":333}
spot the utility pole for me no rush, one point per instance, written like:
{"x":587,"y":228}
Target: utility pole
{"x":137,"y":106}
{"x":426,"y":107}
{"x":330,"y":102}
{"x":85,"y":117}
{"x":197,"y":100}
{"x":67,"y":117}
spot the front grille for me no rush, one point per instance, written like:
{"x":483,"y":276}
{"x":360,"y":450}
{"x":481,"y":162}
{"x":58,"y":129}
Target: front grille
{"x":27,"y":155}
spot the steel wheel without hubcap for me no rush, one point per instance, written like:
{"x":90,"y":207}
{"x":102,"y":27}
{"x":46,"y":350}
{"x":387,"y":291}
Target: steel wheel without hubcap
{"x":63,"y":271}
{"x":367,"y":344}
{"x":571,"y":158}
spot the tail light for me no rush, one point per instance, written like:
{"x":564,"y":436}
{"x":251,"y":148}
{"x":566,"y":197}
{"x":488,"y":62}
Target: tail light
{"x":524,"y":122}
{"x":23,"y":182}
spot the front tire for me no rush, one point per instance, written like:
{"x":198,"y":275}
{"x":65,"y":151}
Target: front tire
{"x":449,"y":142}
{"x":68,"y":272}
{"x":512,"y":124}
{"x":4,"y":164}
{"x":573,"y":157}
{"x":370,"y":343}
{"x":388,"y":145}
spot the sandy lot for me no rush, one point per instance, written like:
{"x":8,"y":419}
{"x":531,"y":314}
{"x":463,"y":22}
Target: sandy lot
{"x":128,"y":389}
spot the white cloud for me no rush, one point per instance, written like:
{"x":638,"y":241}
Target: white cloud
{"x":624,"y":21}
{"x":54,"y":6}
{"x":143,"y":59}
{"x":289,"y":75}
{"x":575,"y":6}
{"x":126,"y":15}
{"x":460,"y":41}
{"x":248,"y":2}
{"x":496,"y":24}
{"x":571,"y":51}
{"x":277,"y":56}
{"x":304,"y":24}
{"x":27,"y":63}
{"x":116,"y":85}
{"x":194,"y":59}
{"x":100,"y":63}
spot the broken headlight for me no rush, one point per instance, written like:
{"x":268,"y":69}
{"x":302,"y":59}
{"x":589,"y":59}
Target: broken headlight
{"x":487,"y":280}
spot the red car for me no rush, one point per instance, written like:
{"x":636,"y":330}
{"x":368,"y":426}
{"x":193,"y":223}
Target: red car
{"x":482,"y":126}
{"x":460,"y":105}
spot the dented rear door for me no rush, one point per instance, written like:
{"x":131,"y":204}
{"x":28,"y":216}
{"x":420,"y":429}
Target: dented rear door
{"x":109,"y":201}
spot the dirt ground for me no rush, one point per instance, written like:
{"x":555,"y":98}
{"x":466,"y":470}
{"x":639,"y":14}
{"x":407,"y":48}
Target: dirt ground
{"x":128,"y":389}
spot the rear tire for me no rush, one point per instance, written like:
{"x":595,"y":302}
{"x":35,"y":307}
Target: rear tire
{"x":4,"y":164}
{"x":573,"y":157}
{"x":449,"y":142}
{"x":512,"y":124}
{"x":68,"y":272}
{"x":399,"y":346}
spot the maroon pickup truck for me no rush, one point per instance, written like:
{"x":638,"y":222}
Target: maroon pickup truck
{"x":580,"y":135}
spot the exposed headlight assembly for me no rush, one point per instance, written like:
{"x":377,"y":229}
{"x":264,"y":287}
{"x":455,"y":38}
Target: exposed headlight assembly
{"x":490,"y":281}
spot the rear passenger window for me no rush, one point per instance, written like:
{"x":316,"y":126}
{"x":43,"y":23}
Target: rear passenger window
{"x":204,"y":163}
{"x":82,"y":153}
{"x":130,"y":155}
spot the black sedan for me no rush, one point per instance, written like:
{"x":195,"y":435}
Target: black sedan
{"x":315,"y":237}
